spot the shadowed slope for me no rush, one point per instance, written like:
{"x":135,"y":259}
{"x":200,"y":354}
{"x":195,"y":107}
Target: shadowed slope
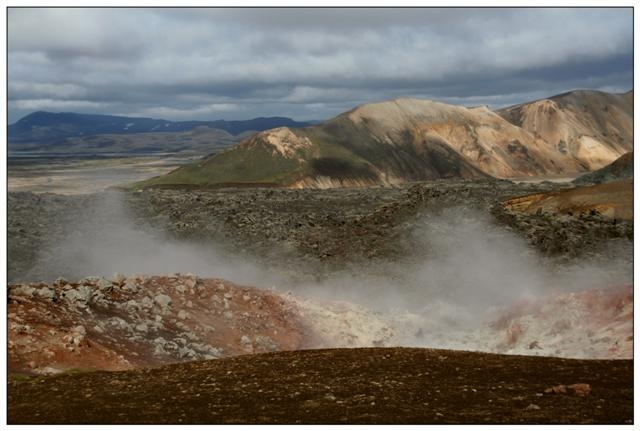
{"x":620,"y":169}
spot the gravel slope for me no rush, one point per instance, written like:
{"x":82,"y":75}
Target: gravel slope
{"x":348,"y":386}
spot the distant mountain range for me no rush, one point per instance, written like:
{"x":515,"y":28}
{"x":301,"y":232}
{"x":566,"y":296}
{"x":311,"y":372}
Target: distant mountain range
{"x":67,"y":131}
{"x":410,"y":139}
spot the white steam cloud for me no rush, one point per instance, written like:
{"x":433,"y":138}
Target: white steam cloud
{"x":463,"y":260}
{"x":105,"y":241}
{"x":463,"y":270}
{"x":460,"y":258}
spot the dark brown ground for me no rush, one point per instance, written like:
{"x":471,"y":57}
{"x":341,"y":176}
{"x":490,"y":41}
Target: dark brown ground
{"x":376,"y":385}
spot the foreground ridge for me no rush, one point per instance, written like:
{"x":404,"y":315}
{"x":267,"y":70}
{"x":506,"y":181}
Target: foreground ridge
{"x":372,"y":385}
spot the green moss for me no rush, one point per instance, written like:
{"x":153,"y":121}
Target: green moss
{"x":258,"y":165}
{"x":18,"y":377}
{"x":341,"y":150}
{"x":78,"y":370}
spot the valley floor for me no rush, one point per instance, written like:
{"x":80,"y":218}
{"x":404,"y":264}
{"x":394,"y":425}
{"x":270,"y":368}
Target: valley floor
{"x":70,"y":175}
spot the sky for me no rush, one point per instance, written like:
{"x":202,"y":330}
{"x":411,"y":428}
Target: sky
{"x":305,"y":63}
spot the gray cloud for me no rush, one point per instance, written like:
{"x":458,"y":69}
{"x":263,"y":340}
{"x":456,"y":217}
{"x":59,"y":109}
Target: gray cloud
{"x":306,"y":63}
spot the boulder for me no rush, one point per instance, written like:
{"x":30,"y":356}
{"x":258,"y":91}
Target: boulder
{"x":162,"y":300}
{"x":190,"y":282}
{"x":104,"y":284}
{"x":80,"y":330}
{"x":22,"y":290}
{"x":142,"y":327}
{"x":118,"y":279}
{"x":131,"y":286}
{"x":266,"y":343}
{"x":79,"y":296}
{"x":131,"y":306}
{"x":60,"y":281}
{"x":46,"y":293}
{"x":579,"y":389}
{"x":146,"y":302}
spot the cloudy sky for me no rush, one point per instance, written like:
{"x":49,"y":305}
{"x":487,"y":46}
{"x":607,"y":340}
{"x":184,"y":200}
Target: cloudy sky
{"x":306,"y":64}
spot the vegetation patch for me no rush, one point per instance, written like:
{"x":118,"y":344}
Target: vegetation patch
{"x":338,"y":168}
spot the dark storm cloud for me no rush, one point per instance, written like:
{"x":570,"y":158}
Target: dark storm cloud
{"x":306,"y":63}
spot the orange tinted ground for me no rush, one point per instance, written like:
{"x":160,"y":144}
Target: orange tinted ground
{"x":144,"y":321}
{"x":612,"y":200}
{"x":127,"y":325}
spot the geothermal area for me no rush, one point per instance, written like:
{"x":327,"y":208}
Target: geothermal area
{"x":456,"y":267}
{"x":404,"y":262}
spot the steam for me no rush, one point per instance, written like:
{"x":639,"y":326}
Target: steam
{"x":463,"y":261}
{"x":459,"y":257}
{"x":463,"y":268}
{"x":105,"y":240}
{"x":467,"y":273}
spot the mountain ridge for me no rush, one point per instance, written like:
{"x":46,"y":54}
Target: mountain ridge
{"x":51,"y":126}
{"x":407,"y":139}
{"x":594,"y":127}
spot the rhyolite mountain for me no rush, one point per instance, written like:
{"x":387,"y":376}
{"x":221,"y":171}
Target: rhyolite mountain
{"x":592,"y":127}
{"x":54,"y":127}
{"x":404,"y":140}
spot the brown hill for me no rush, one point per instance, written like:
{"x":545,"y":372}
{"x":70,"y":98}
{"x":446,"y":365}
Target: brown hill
{"x":348,"y":386}
{"x":591,"y":127}
{"x":478,"y":135}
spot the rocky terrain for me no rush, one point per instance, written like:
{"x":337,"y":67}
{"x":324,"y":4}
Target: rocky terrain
{"x":141,"y":321}
{"x":344,"y":386}
{"x":277,"y":272}
{"x":297,"y":231}
{"x":404,"y":140}
{"x":359,"y":242}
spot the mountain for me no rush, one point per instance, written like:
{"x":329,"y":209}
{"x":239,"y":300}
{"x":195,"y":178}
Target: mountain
{"x":593,"y":127}
{"x":55,"y":127}
{"x":397,"y":141}
{"x":200,"y":141}
{"x":621,"y":168}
